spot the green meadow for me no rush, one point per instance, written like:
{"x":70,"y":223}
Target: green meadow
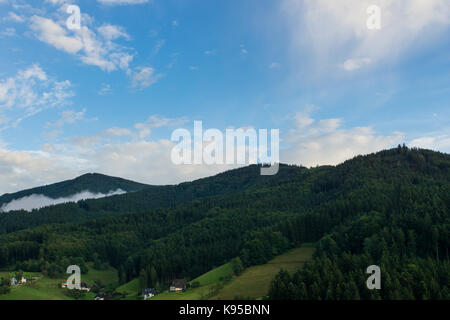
{"x":252,"y":283}
{"x":46,"y":288}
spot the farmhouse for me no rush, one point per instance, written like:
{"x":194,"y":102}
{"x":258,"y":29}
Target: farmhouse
{"x":178,"y":285}
{"x":13,"y":281}
{"x":85,"y":287}
{"x":148,"y":293}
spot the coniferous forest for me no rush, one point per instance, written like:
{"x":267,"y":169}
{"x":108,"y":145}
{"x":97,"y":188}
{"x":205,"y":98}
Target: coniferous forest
{"x":388,"y":209}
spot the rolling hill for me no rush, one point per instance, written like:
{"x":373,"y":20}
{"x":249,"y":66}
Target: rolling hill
{"x":91,"y":182}
{"x":389,"y":208}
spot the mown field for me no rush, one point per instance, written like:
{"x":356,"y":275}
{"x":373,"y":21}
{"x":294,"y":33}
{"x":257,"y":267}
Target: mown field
{"x":253,"y":283}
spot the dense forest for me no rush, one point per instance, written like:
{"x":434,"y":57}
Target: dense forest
{"x":389,"y":209}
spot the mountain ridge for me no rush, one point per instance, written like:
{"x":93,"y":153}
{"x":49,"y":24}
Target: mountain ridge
{"x":91,"y":182}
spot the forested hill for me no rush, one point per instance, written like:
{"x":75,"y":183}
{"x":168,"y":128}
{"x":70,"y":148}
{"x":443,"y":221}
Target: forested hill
{"x":149,"y":198}
{"x":92,"y":182}
{"x":389,"y":209}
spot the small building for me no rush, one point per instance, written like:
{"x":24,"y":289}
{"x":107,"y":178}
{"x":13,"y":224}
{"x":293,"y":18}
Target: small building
{"x":178,"y":285}
{"x":148,"y":293}
{"x":104,"y":296}
{"x":13,"y":281}
{"x":23,"y":280}
{"x":85,"y":287}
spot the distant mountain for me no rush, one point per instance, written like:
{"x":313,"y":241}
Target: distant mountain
{"x":92,"y":182}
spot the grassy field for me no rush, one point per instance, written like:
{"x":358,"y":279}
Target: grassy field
{"x":130,"y":289}
{"x":207,"y":282}
{"x":214,"y":276}
{"x":106,"y":277}
{"x":254,"y":282}
{"x":50,"y":289}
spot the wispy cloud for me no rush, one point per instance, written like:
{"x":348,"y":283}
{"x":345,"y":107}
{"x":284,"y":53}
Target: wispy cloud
{"x":91,"y":48}
{"x":122,"y":2}
{"x":354,"y":64}
{"x":105,"y":90}
{"x":8,"y":32}
{"x":328,"y":30}
{"x":274,"y":65}
{"x":143,"y":77}
{"x":31,"y":91}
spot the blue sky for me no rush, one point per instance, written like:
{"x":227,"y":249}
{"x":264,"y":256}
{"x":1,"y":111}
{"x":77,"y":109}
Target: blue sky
{"x":106,"y":98}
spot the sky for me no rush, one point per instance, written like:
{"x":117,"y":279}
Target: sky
{"x":106,"y":97}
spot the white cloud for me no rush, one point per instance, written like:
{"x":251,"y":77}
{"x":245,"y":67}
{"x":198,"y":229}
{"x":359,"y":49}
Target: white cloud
{"x":111,"y":32}
{"x":158,"y":46}
{"x":274,"y":65}
{"x":58,"y":2}
{"x":122,"y":2}
{"x":12,"y":16}
{"x":439,"y":142}
{"x":244,"y":51}
{"x":138,"y":160}
{"x":329,"y":30}
{"x":8,"y":32}
{"x":25,"y":169}
{"x":117,"y":132}
{"x":90,"y":48}
{"x":144,"y":77}
{"x":66,"y":117}
{"x":105,"y":90}
{"x":325,"y":142}
{"x":52,"y":33}
{"x":354,"y":64}
{"x":31,"y":91}
{"x":36,"y":201}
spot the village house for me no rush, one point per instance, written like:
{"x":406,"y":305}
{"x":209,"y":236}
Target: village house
{"x":85,"y":287}
{"x":178,"y":285}
{"x":148,"y":293}
{"x":15,"y":282}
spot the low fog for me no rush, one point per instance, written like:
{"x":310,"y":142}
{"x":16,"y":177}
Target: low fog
{"x":36,"y":201}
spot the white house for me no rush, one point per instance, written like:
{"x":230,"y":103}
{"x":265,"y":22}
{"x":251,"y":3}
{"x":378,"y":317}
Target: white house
{"x":13,"y":281}
{"x":148,"y":293}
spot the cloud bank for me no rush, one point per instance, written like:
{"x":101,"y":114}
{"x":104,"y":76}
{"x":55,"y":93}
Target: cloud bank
{"x":37,"y":201}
